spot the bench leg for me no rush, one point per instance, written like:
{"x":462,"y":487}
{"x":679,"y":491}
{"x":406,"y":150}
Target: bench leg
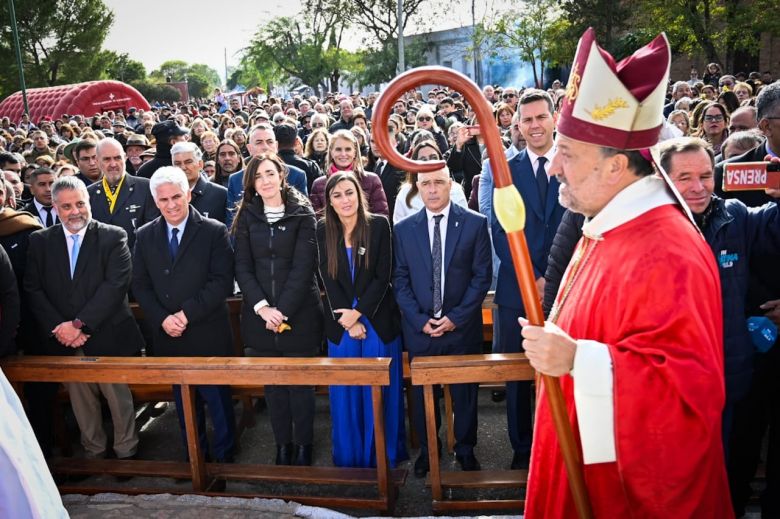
{"x":450,"y":419}
{"x":197,"y":460}
{"x":433,"y":453}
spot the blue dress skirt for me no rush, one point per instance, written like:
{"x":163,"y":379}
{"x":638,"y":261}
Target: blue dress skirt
{"x":351,"y":408}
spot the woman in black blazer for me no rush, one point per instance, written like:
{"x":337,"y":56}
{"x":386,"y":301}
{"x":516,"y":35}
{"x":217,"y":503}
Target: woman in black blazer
{"x":276,"y":264}
{"x":361,"y":319}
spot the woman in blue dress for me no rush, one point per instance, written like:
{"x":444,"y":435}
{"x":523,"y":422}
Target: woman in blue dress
{"x":361,"y":319}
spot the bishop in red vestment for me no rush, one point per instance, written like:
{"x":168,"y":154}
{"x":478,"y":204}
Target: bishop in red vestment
{"x":636,"y":331}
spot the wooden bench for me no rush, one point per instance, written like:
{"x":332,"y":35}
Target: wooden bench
{"x":461,"y":369}
{"x":190,"y":371}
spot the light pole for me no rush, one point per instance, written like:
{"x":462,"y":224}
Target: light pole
{"x":19,"y":63}
{"x":401,"y":64}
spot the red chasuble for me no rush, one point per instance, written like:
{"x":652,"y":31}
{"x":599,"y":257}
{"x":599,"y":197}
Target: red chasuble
{"x":649,"y":290}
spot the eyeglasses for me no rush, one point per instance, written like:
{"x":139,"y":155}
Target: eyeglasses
{"x":509,"y":96}
{"x":424,"y":119}
{"x":318,"y":125}
{"x":713,"y":118}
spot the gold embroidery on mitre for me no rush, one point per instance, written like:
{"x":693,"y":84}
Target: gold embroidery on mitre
{"x":602,"y":112}
{"x":573,"y":86}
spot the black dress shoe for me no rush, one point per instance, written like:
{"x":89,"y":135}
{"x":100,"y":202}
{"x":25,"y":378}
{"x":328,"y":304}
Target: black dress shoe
{"x":498,"y":395}
{"x":303,"y":455}
{"x":468,"y":462}
{"x":520,"y":461}
{"x":219,"y":485}
{"x":123,"y":479}
{"x":422,"y":465}
{"x":284,"y":454}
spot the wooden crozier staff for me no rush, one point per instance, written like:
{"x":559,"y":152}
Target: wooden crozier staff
{"x":510,"y":211}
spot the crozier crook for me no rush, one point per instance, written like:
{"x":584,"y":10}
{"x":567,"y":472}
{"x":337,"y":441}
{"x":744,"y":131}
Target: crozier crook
{"x":510,"y":212}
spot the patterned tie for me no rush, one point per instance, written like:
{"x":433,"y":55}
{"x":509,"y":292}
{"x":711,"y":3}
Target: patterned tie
{"x":173,"y":246}
{"x":541,"y":180}
{"x":74,"y":253}
{"x":436,"y":257}
{"x":49,"y":217}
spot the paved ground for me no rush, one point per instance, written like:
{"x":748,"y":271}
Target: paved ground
{"x":160,"y":440}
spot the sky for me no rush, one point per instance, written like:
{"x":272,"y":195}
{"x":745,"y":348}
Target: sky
{"x":195,"y":31}
{"x":199,"y":31}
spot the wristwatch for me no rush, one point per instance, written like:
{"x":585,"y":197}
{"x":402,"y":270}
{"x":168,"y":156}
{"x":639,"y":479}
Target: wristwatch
{"x":79,"y":325}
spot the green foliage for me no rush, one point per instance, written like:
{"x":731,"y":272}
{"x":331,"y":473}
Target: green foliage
{"x":306,"y":47}
{"x":532,"y":30}
{"x":60,"y":39}
{"x":379,"y":64}
{"x":154,"y":91}
{"x":201,"y":79}
{"x":609,"y":18}
{"x":120,"y":67}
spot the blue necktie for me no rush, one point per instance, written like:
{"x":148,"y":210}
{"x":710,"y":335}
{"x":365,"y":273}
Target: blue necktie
{"x":436,"y":257}
{"x":74,"y":253}
{"x":541,"y":180}
{"x":173,"y":246}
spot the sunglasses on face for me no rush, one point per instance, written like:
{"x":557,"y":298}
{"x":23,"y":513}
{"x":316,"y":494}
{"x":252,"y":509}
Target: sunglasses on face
{"x":509,"y":96}
{"x":424,"y":119}
{"x":318,"y":125}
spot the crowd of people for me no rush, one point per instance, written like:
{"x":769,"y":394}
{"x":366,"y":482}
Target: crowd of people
{"x":289,"y":202}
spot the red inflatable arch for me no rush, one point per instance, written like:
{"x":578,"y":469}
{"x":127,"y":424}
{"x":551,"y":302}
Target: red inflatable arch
{"x":82,"y":98}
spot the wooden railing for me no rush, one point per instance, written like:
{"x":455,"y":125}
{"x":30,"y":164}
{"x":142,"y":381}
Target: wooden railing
{"x":462,"y":369}
{"x":192,"y":371}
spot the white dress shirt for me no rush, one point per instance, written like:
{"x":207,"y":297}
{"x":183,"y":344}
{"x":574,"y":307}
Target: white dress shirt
{"x":69,"y":242}
{"x":534,"y":158}
{"x":42,"y":214}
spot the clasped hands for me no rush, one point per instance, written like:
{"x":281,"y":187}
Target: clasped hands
{"x":349,"y":320}
{"x":69,"y":335}
{"x":175,"y":324}
{"x":273,"y":318}
{"x":438,"y":327}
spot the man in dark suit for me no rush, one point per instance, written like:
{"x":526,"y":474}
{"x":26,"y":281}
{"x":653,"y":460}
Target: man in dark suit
{"x":40,"y":206}
{"x":391,"y":177}
{"x":77,"y":278}
{"x":761,"y":408}
{"x":442,"y":273}
{"x":285,"y":139}
{"x":182,"y":274}
{"x":120,"y":199}
{"x":208,"y":198}
{"x":539,"y":190}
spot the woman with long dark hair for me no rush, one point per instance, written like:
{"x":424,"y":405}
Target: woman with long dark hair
{"x":361,"y":319}
{"x":276,"y":265}
{"x":714,"y":125}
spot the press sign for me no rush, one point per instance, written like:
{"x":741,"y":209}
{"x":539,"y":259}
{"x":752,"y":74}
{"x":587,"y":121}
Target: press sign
{"x":746,"y":176}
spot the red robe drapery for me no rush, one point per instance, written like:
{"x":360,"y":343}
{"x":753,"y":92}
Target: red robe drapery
{"x":650,"y":291}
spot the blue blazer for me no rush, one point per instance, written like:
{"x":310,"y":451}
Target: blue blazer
{"x":540,"y":229}
{"x":295,"y":177}
{"x":467,"y":273}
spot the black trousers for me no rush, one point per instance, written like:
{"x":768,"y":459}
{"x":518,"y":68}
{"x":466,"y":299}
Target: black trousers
{"x":291,"y":408}
{"x":752,"y":416}
{"x":464,"y":406}
{"x":518,"y":394}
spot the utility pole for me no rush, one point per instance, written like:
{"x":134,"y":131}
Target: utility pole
{"x":477,"y":58}
{"x":19,"y":62}
{"x":401,"y":64}
{"x":226,"y":74}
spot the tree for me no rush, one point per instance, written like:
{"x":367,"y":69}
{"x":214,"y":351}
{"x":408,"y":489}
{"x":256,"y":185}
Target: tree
{"x":379,"y":19}
{"x":120,"y":67}
{"x":157,"y":91}
{"x":60,"y":39}
{"x":307,"y":47}
{"x":718,"y":28}
{"x":609,"y":18}
{"x":530,"y":30}
{"x":200,"y":78}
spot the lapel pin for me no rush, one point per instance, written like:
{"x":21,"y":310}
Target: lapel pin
{"x":97,"y":191}
{"x":456,"y":224}
{"x":361,"y":251}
